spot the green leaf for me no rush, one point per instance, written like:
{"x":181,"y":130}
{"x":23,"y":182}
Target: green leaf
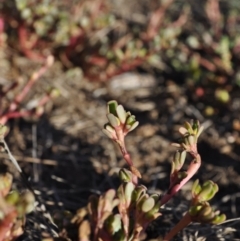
{"x":182,"y":157}
{"x":188,"y":126}
{"x":112,"y":106}
{"x":131,"y":120}
{"x":196,"y":188}
{"x":200,"y":131}
{"x":121,"y":113}
{"x":157,"y":205}
{"x":219,"y":219}
{"x":206,"y":211}
{"x":208,"y":191}
{"x":179,"y":159}
{"x":107,"y":133}
{"x":183,"y":131}
{"x":114,"y":121}
{"x":129,"y":188}
{"x":139,"y":192}
{"x":110,"y":194}
{"x":109,"y":128}
{"x":194,"y":210}
{"x":27,"y":201}
{"x":191,"y":140}
{"x":125,"y":175}
{"x":12,"y":198}
{"x":148,"y":204}
{"x":114,"y":223}
{"x":133,"y":126}
{"x":195,"y":126}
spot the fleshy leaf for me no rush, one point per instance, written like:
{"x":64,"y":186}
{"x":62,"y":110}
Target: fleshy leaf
{"x":114,"y":121}
{"x":135,"y":124}
{"x":112,"y":106}
{"x":121,"y":114}
{"x":129,"y":188}
{"x":148,"y":204}
{"x":125,"y":175}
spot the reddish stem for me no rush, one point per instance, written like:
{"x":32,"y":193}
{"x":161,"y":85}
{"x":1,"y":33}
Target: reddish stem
{"x":214,"y":15}
{"x":126,"y":65}
{"x":192,"y":169}
{"x":2,"y":24}
{"x":11,"y":114}
{"x":19,"y":98}
{"x":27,"y":46}
{"x":126,"y":155}
{"x":156,"y":20}
{"x":6,"y":224}
{"x":184,"y":222}
{"x":44,"y":100}
{"x":121,"y":142}
{"x":15,"y":114}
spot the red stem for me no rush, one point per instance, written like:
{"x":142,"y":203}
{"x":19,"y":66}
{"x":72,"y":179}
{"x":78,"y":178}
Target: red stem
{"x":19,"y":98}
{"x":6,"y":224}
{"x":27,"y":46}
{"x":16,"y":114}
{"x":121,"y":142}
{"x":126,"y":65}
{"x":192,"y":169}
{"x":125,"y":154}
{"x":156,"y":20}
{"x":184,"y":222}
{"x":44,"y":100}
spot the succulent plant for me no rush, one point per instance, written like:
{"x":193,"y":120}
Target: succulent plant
{"x":13,"y":208}
{"x":200,"y":210}
{"x":120,"y":124}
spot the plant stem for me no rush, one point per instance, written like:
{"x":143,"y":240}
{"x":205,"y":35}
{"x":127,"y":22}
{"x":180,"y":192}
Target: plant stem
{"x":184,"y":222}
{"x":192,"y":169}
{"x":126,"y":155}
{"x":35,"y":76}
{"x":7,"y":222}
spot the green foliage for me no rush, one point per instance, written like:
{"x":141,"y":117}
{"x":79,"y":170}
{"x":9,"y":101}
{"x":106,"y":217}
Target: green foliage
{"x":123,"y":215}
{"x":119,"y":118}
{"x":200,"y":209}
